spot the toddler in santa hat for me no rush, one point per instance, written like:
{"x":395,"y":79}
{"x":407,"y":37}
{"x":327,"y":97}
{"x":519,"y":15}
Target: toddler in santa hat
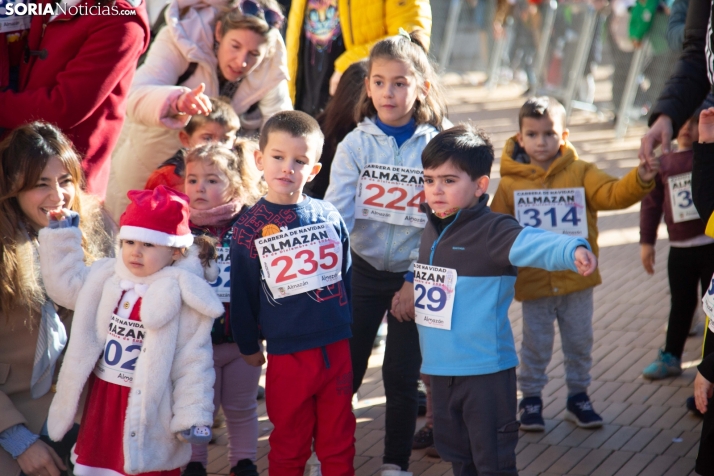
{"x":140,"y":338}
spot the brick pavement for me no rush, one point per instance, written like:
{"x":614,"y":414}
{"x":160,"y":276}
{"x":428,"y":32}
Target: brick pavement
{"x":647,"y":429}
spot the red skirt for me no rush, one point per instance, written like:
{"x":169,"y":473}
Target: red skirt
{"x":100,"y":450}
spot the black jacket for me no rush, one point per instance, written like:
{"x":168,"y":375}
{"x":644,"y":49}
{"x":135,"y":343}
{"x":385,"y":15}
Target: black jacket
{"x":688,"y":85}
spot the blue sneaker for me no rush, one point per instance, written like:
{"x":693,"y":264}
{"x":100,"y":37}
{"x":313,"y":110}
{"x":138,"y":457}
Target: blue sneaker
{"x":580,"y":411}
{"x":665,"y":366}
{"x":531,"y":409}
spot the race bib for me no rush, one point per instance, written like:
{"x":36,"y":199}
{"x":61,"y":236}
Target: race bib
{"x":680,"y":193}
{"x":434,"y":292}
{"x":391,"y":194}
{"x":222,"y":285}
{"x":300,"y":260}
{"x":560,"y":210}
{"x":16,"y":19}
{"x":121,"y":351}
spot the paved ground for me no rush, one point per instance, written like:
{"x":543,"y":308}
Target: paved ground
{"x":647,"y":430}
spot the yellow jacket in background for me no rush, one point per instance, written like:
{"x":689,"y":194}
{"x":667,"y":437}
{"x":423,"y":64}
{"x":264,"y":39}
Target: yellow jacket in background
{"x":363,"y":23}
{"x":602,"y":192}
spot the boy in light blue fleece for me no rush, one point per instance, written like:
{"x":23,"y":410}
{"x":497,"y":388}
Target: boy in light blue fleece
{"x":466,"y":339}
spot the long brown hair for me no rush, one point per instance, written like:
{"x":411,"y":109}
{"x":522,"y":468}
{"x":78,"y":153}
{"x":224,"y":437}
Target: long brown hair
{"x":23,"y":156}
{"x":338,"y":120}
{"x":429,"y":108}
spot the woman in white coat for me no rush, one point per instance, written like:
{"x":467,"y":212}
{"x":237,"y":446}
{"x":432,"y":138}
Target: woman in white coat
{"x":208,"y":48}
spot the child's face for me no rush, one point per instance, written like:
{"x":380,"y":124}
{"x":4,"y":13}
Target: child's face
{"x":449,"y":189}
{"x":688,"y":134}
{"x":145,"y":259}
{"x":54,"y":190}
{"x":208,"y":132}
{"x":541,"y":138}
{"x":287,"y":163}
{"x":394,"y":89}
{"x":206,"y":186}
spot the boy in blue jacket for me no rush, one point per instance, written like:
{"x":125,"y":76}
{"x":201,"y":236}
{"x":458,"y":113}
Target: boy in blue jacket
{"x":463,"y":286}
{"x":290,"y":284}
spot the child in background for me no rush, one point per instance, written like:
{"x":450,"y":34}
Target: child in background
{"x":336,"y":121}
{"x":220,"y":126}
{"x":544,"y":185}
{"x":290,"y":282}
{"x":464,"y":280}
{"x":400,"y":111}
{"x":691,"y":253}
{"x":221,"y":185}
{"x":145,"y":402}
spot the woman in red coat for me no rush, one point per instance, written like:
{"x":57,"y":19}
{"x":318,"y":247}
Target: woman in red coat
{"x":76,"y":72}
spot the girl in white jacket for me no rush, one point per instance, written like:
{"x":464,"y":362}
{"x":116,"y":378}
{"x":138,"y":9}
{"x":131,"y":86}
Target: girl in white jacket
{"x":207,"y":48}
{"x":141,"y":338}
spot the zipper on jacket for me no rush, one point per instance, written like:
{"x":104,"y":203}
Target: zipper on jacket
{"x":433,"y":246}
{"x":390,"y":236}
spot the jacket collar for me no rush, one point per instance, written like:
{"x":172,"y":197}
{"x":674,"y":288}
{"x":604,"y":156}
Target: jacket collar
{"x":477,"y":210}
{"x":368,"y":126}
{"x":509,"y":166}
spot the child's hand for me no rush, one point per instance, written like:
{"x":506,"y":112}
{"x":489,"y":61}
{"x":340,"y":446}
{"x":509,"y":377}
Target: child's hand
{"x":647,"y":170}
{"x":585,"y":261}
{"x":647,"y":255}
{"x":703,"y":391}
{"x":194,"y":102}
{"x":405,"y":303}
{"x":256,"y":360}
{"x":706,"y":126}
{"x":196,"y":435}
{"x":395,"y":303}
{"x":64,"y":218}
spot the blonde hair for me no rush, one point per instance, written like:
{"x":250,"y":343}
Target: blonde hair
{"x":429,"y":107}
{"x":236,"y":164}
{"x":23,"y":156}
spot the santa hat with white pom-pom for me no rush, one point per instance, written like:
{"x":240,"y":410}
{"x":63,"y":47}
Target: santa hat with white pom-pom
{"x":158,"y":216}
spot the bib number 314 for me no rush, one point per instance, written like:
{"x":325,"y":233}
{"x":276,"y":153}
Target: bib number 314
{"x":434,"y":292}
{"x":560,"y":210}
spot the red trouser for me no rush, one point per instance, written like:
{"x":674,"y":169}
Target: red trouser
{"x":305,"y":399}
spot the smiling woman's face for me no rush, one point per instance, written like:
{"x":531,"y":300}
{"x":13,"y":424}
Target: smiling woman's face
{"x":54,"y":190}
{"x":240,"y":51}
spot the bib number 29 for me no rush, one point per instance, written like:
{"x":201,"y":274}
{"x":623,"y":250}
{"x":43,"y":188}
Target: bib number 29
{"x":435,"y":297}
{"x":327,"y":260}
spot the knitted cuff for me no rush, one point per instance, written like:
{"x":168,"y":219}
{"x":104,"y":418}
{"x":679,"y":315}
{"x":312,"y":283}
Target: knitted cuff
{"x":16,"y":439}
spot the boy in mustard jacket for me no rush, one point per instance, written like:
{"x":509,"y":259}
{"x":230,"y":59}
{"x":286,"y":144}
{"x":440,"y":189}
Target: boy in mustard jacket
{"x":544,"y":185}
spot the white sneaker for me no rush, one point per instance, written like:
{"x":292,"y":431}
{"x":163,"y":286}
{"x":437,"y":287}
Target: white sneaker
{"x":393,"y":470}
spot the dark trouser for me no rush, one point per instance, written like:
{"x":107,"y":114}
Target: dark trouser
{"x":475,"y":426}
{"x":687,"y":268}
{"x":705,"y":459}
{"x":372,"y":293}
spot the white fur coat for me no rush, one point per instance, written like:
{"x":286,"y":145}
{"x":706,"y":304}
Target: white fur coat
{"x":173,"y":379}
